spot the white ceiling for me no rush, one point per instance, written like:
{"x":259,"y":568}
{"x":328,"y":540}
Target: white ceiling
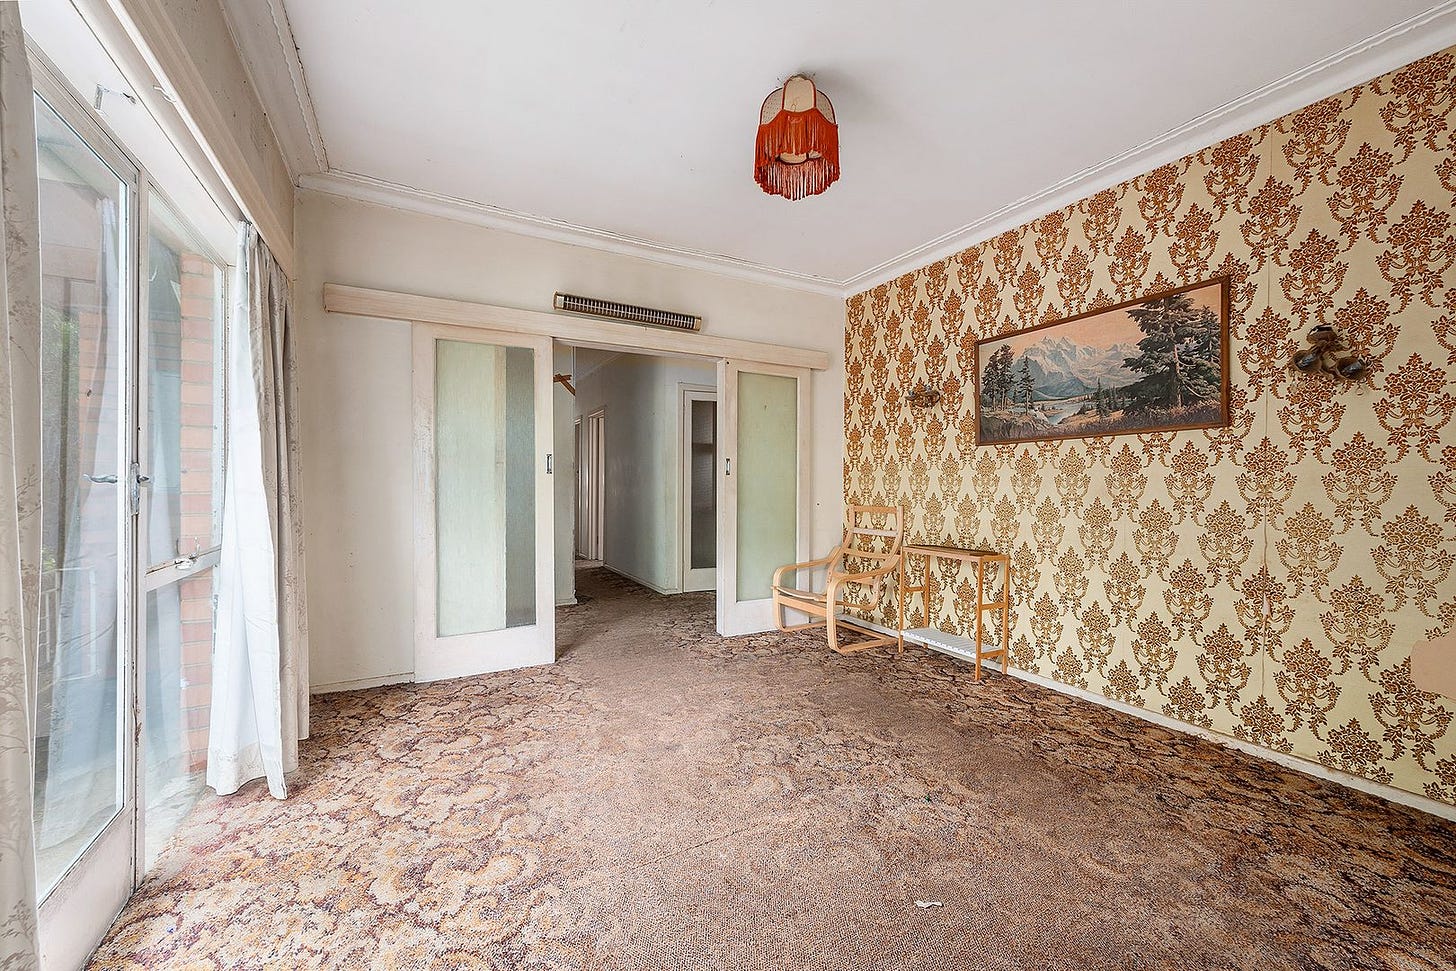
{"x":636,"y":118}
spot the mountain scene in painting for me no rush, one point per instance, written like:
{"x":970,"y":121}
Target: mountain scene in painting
{"x":1143,"y":367}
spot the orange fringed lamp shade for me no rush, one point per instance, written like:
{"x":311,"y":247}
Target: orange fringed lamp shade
{"x":798,"y":141}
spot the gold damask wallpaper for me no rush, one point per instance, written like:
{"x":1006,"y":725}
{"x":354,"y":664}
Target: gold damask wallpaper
{"x":1267,"y":580}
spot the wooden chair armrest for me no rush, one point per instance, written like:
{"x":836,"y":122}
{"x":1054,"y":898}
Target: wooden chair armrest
{"x":778,"y":577}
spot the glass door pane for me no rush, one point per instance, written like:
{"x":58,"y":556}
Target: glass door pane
{"x":485,"y":509}
{"x":175,"y":716}
{"x":182,"y":505}
{"x":484,"y":544}
{"x":768,"y":479}
{"x":703,"y":486}
{"x":184,"y":387}
{"x":80,"y":742}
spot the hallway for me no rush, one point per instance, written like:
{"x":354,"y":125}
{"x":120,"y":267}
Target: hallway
{"x":665,"y":798}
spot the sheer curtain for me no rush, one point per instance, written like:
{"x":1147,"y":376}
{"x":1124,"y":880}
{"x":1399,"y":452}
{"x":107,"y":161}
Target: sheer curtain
{"x":260,"y":666}
{"x":20,"y":435}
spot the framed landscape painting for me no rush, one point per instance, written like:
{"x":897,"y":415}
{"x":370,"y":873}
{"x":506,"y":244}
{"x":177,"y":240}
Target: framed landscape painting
{"x":1156,"y":364}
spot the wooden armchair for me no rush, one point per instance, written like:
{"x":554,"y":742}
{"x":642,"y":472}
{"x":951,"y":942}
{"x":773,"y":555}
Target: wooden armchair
{"x":864,"y":545}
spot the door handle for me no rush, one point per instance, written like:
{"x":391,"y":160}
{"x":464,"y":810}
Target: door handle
{"x":727,"y":467}
{"x":138,"y":479}
{"x":99,"y":479}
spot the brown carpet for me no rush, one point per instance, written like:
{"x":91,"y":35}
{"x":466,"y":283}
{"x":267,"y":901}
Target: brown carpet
{"x":665,"y":798}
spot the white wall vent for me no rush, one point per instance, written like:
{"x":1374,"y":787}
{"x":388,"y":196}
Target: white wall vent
{"x":612,"y":310}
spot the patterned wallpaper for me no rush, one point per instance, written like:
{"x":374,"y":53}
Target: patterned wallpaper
{"x":1267,"y":580}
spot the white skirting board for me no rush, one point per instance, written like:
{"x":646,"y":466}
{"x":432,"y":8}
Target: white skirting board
{"x":639,"y":581}
{"x":406,"y":677}
{"x":1308,"y":767}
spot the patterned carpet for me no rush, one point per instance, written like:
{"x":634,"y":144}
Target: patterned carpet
{"x":665,"y":798}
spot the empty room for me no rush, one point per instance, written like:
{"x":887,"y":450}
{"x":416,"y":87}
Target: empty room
{"x":743,"y":485}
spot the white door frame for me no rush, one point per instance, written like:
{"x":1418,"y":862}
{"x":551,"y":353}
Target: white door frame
{"x":75,"y":915}
{"x":436,"y":657}
{"x":752,"y":616}
{"x":705,"y":578}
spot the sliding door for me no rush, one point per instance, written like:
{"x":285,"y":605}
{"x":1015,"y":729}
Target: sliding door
{"x":132,"y":333}
{"x":484,"y":548}
{"x":763,"y":487}
{"x":84,"y":787}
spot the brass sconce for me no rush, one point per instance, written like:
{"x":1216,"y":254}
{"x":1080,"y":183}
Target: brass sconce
{"x":1327,"y":351}
{"x":924,"y":396}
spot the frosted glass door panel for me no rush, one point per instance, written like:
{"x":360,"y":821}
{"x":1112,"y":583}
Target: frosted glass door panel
{"x":768,"y":479}
{"x":485,"y":508}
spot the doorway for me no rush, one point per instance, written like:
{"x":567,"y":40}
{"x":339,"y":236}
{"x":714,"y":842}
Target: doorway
{"x":635,"y":488}
{"x":762,"y":524}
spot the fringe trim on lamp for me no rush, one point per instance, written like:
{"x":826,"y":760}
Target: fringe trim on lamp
{"x":798,"y":141}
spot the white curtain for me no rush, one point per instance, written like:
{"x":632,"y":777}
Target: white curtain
{"x":20,"y":435}
{"x":260,"y":667}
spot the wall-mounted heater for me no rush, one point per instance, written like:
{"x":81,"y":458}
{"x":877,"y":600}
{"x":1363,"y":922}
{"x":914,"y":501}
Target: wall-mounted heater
{"x":612,"y":310}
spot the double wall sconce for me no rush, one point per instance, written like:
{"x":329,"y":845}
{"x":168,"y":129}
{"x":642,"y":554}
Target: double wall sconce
{"x":924,"y":396}
{"x":1327,"y":351}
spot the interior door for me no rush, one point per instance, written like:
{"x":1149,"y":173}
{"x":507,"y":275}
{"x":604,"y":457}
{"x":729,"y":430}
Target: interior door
{"x":699,"y":528}
{"x":484,"y":544}
{"x":85,"y":787}
{"x":763,"y":487}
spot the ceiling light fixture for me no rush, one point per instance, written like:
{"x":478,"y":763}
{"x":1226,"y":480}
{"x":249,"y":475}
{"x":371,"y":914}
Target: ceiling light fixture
{"x":798,"y":141}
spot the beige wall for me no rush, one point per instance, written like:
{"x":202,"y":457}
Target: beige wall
{"x":1268,"y":580}
{"x":355,"y":393}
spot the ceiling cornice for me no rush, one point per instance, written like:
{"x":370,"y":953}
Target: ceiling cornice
{"x":264,"y":38}
{"x":1392,"y":48}
{"x":379,"y":192}
{"x":263,"y":35}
